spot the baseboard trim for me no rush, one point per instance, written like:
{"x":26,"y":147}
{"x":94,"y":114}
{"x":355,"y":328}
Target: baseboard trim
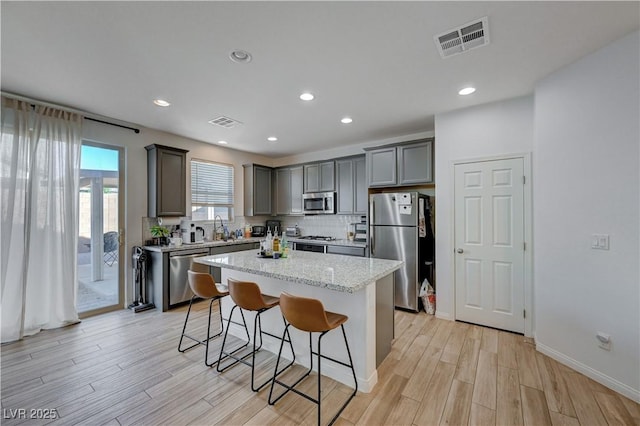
{"x":611,"y":383}
{"x":443,"y":315}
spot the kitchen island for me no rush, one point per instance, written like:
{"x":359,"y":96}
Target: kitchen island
{"x":361,"y":288}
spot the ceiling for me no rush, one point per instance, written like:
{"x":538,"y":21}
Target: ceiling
{"x":373,"y":61}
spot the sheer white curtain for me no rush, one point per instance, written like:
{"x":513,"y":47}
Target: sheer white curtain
{"x":39,"y":176}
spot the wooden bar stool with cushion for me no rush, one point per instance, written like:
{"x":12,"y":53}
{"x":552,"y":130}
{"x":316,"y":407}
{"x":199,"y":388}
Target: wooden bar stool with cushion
{"x":203,"y":286}
{"x":309,"y":315}
{"x":247,"y":296}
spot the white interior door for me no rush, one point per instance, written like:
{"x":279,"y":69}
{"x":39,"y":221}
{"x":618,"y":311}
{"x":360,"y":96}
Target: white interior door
{"x":489,"y":243}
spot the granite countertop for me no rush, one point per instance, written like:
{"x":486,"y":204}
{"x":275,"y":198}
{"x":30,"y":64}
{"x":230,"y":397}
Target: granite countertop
{"x":206,"y":244}
{"x":336,"y":272}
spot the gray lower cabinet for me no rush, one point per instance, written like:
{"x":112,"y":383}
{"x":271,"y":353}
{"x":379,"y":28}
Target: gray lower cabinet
{"x":257,"y":190}
{"x":167,"y":280}
{"x":289,"y":188}
{"x":166,"y":181}
{"x":319,"y":177}
{"x":351,"y":185}
{"x":410,"y":163}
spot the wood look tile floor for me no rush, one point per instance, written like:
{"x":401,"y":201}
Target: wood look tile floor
{"x":123,"y":368}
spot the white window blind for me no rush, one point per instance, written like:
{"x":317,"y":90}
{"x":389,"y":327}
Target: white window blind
{"x":212,"y":188}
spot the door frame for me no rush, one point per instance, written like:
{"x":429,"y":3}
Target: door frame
{"x":121,"y":229}
{"x":528,"y":233}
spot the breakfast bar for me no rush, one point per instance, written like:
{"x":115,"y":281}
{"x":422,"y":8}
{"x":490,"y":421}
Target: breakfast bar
{"x":361,"y":288}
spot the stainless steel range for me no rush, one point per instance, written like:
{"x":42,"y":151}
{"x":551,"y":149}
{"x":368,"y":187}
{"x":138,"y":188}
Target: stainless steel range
{"x":315,"y":243}
{"x":317,"y":238}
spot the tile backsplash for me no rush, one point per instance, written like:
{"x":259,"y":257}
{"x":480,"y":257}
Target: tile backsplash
{"x":325,"y":225}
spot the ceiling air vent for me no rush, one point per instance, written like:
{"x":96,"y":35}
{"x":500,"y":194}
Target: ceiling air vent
{"x":225,"y":122}
{"x":466,"y":37}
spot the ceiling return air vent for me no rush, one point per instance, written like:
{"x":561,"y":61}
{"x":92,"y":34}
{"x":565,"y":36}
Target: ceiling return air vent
{"x":466,"y":37}
{"x":225,"y":122}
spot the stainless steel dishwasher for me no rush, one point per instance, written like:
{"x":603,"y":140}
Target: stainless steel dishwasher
{"x":179,"y":264}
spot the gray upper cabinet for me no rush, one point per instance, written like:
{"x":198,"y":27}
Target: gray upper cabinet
{"x":297,"y":179}
{"x":257,"y":190}
{"x":360,"y":185}
{"x":406,"y":164}
{"x":289,"y":190}
{"x":319,"y":177}
{"x":381,"y":167}
{"x":351,"y":186}
{"x":415,"y":163}
{"x":167,"y":181}
{"x":283,"y":191}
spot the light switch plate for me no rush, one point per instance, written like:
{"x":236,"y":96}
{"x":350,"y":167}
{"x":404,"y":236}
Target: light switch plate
{"x":600,"y":241}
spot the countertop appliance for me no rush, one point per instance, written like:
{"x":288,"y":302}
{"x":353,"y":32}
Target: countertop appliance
{"x":179,"y":264}
{"x":360,"y":231}
{"x":400,"y":229}
{"x":293,"y":231}
{"x":191,"y":234}
{"x":319,"y":203}
{"x":274,"y":225}
{"x":258,"y":231}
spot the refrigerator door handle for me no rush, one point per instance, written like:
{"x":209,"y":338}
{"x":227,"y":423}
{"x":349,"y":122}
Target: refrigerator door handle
{"x":373,"y":241}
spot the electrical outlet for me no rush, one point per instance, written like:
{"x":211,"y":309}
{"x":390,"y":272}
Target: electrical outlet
{"x":604,"y":341}
{"x":600,"y":241}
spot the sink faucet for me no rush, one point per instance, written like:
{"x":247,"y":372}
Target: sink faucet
{"x":215,"y":229}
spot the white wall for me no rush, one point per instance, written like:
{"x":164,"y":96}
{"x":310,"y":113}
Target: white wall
{"x":483,"y":131}
{"x":586,"y":181}
{"x":136,"y":174}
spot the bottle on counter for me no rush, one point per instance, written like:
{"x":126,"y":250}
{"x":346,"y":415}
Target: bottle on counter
{"x":269,"y":243}
{"x":284,"y":244}
{"x":247,"y":231}
{"x":276,"y":242}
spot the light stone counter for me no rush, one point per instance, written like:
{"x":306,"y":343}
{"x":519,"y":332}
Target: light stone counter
{"x":361,"y":288}
{"x":205,"y":244}
{"x":335,"y":272}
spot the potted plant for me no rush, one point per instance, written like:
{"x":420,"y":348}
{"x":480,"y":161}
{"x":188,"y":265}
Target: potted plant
{"x":159,"y":233}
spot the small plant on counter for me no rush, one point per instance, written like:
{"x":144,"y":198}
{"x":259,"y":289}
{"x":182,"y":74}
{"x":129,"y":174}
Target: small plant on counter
{"x":159,"y":233}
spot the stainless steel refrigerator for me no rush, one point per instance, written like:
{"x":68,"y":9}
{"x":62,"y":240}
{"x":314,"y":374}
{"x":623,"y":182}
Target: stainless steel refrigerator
{"x":400,"y":229}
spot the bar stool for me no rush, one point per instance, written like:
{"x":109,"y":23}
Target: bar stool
{"x":203,"y":286}
{"x":247,"y":296}
{"x":309,"y":315}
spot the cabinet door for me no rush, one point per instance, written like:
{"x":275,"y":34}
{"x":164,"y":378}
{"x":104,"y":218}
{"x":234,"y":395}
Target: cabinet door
{"x":311,"y":178}
{"x":344,"y":178}
{"x":262,"y":190}
{"x":381,"y":167}
{"x":296,"y":189}
{"x":327,"y":177}
{"x":283,"y":191}
{"x":414,"y":163}
{"x":171,"y":183}
{"x":360,"y":186}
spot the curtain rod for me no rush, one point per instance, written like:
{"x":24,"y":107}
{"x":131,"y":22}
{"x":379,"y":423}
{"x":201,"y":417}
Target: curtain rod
{"x":83,"y":113}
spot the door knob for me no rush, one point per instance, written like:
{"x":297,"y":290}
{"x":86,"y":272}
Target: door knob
{"x":460,"y":251}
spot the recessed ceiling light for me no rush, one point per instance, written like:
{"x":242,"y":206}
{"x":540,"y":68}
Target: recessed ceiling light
{"x":346,"y":120}
{"x":272,"y":139}
{"x":306,"y":96}
{"x":223,"y":142}
{"x":161,"y":102}
{"x":467,"y":91}
{"x":240,"y":56}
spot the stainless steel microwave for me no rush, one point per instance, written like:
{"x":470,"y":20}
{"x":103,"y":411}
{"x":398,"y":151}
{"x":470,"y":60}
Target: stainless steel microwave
{"x":319,"y":203}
